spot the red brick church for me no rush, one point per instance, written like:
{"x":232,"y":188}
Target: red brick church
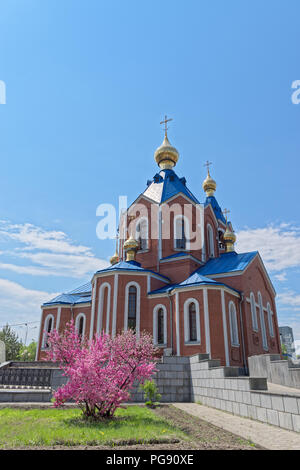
{"x":177,"y":275}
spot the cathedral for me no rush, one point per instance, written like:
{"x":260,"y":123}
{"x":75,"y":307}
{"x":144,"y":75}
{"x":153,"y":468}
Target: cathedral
{"x":176,"y":275}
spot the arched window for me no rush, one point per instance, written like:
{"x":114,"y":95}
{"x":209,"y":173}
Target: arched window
{"x":210,"y":240}
{"x":80,"y":325}
{"x":160,"y":325}
{"x":270,"y":320}
{"x":181,"y":230}
{"x":142,"y":233}
{"x":253,"y":312}
{"x":49,"y":325}
{"x":234,"y":334}
{"x":132,"y":297}
{"x":191,"y":321}
{"x":262,"y":322}
{"x":104,"y":301}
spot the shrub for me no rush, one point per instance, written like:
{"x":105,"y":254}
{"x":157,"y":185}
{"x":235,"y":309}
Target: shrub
{"x":151,"y":394}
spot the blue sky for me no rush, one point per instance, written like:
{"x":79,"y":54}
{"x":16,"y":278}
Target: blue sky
{"x":87,"y":83}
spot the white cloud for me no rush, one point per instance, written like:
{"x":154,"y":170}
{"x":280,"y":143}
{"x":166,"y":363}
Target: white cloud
{"x":289,"y":298}
{"x":50,"y":253}
{"x":279,"y":246}
{"x":20,"y":305}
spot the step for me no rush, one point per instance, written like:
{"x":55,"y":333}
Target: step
{"x":26,"y":395}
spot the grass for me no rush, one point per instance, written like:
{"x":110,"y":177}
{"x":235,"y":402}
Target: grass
{"x":48,"y":427}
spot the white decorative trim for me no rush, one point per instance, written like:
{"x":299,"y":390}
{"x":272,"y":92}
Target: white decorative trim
{"x":225,"y":328}
{"x":253,"y":307}
{"x":187,"y":340}
{"x":58,"y":318}
{"x":184,"y":256}
{"x":270,"y":320}
{"x":148,"y":284}
{"x":138,"y":306}
{"x":177,"y":323}
{"x":78,"y":317}
{"x":234,"y":330}
{"x":155,"y":325}
{"x":93,"y":309}
{"x":262,"y":322}
{"x":114,"y":319}
{"x":206,"y":321}
{"x":210,"y":239}
{"x":47,"y":319}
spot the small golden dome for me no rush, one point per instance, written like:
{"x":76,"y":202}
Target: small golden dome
{"x":229,"y":239}
{"x":166,"y":156}
{"x":131,"y":247}
{"x":115,"y":258}
{"x":209,"y":185}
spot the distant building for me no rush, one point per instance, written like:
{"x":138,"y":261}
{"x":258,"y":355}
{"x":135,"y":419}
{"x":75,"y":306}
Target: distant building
{"x":287,"y":338}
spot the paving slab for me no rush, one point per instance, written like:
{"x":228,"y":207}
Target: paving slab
{"x":267,"y":436}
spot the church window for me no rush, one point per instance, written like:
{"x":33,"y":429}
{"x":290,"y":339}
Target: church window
{"x":191,"y":321}
{"x":142,"y":233}
{"x":253,"y":312}
{"x":80,"y":325}
{"x":49,"y":325}
{"x":132,"y":297}
{"x":180,"y":233}
{"x":234,"y":335}
{"x":160,"y":325}
{"x":262,"y":322}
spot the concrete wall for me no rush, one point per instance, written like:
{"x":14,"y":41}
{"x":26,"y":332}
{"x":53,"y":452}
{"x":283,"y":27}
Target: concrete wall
{"x":276,"y":370}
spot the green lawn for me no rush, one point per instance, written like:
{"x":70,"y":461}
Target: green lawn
{"x":48,"y":427}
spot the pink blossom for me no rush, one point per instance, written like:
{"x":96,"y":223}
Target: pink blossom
{"x":101,"y":372}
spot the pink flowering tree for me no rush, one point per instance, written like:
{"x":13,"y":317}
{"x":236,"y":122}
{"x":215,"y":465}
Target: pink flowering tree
{"x":101,"y":371}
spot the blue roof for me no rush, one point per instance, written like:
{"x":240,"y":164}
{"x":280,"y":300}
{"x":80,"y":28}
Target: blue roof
{"x":194,"y":279}
{"x":165,"y":185}
{"x":85,"y":289}
{"x":69,"y":299}
{"x":130,"y":266}
{"x":227,"y":262}
{"x":216,"y":208}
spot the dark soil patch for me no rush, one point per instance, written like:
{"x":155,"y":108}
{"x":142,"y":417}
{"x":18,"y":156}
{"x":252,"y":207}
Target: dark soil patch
{"x":203,"y":434}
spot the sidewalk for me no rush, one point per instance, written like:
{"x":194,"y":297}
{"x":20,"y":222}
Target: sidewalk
{"x":265,"y":435}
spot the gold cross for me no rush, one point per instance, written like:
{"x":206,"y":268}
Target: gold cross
{"x":225,"y":212}
{"x":165,"y":123}
{"x":207,"y":164}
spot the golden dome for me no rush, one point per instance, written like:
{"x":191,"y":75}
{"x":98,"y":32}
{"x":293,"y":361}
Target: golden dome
{"x":131,"y":247}
{"x":209,"y":185}
{"x":166,"y":156}
{"x":115,"y":258}
{"x":229,"y":239}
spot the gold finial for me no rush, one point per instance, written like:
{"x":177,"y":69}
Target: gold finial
{"x":166,"y":156}
{"x":209,"y":185}
{"x":131,"y":247}
{"x":229,"y":235}
{"x":165,"y":123}
{"x":115,"y":258}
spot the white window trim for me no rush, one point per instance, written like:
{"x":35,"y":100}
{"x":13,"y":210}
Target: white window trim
{"x":210,"y":239}
{"x":233,"y":343}
{"x":100,"y":308}
{"x":48,"y":317}
{"x":78,"y":317}
{"x":270,"y":320}
{"x":186,"y":232}
{"x":155,"y":325}
{"x":262,"y":322}
{"x":138,"y":306}
{"x":253,"y":307}
{"x":187,"y":303}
